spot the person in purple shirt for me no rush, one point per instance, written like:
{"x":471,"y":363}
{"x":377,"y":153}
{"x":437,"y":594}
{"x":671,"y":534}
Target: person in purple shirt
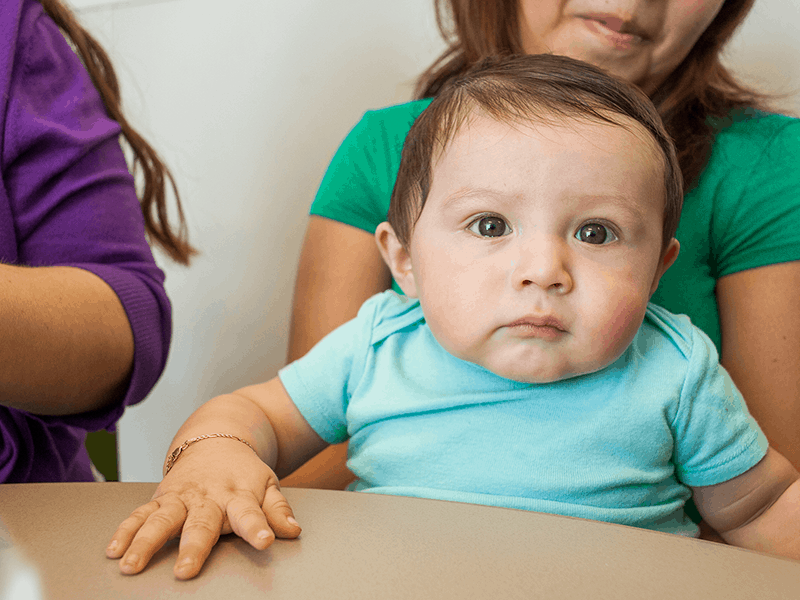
{"x":85,"y":322}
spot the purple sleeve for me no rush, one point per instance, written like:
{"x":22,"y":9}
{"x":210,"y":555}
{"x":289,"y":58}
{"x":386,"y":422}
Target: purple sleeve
{"x":72,"y":199}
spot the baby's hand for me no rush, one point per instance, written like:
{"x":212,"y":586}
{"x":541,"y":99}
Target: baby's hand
{"x":215,"y":488}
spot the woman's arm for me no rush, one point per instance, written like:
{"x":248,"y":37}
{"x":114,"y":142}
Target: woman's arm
{"x":340,"y":267}
{"x":66,"y":345}
{"x":760,"y":322}
{"x":84,"y":319}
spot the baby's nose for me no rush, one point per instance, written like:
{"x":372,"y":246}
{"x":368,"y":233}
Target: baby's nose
{"x":544,"y":264}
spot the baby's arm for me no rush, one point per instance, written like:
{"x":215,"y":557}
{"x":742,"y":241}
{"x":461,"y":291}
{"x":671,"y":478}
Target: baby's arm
{"x":219,"y":485}
{"x":759,"y":509}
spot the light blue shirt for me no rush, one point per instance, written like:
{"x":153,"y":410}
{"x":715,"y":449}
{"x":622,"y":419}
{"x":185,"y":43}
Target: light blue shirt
{"x":619,"y":445}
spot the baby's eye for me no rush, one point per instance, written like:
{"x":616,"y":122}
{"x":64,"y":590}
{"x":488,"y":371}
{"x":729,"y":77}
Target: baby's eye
{"x":595,"y":233}
{"x":490,"y":226}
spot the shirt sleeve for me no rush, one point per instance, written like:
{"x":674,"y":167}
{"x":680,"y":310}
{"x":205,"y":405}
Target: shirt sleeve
{"x":358,"y":184}
{"x":73,"y":199}
{"x":758,"y":197}
{"x":716,"y":438}
{"x":321,"y":383}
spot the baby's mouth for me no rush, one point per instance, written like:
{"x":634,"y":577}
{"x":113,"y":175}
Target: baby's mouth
{"x":546,"y":327}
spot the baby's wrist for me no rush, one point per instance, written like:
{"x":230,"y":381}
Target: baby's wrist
{"x":173,"y":456}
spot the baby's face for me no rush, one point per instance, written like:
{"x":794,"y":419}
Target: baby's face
{"x":539,"y":246}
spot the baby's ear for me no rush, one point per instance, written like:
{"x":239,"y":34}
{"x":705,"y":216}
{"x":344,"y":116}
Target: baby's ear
{"x":667,"y":258}
{"x":397,"y":257}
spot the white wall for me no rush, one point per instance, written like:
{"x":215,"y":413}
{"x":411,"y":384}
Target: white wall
{"x":247,"y":100}
{"x":766,"y":52}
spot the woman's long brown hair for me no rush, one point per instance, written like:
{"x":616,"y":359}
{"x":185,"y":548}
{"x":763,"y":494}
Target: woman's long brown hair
{"x":700,"y":91}
{"x":154,"y":173}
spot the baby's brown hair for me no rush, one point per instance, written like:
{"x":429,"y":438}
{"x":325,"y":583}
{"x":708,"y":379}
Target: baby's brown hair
{"x":525,"y":89}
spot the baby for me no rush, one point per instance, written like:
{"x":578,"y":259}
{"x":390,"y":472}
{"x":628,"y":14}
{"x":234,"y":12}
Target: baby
{"x":524,"y":367}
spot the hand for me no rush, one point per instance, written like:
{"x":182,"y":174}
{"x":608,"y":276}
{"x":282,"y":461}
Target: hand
{"x":217,"y":487}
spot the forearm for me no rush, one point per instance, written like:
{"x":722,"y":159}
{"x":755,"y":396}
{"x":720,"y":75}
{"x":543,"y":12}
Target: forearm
{"x":759,"y":509}
{"x":326,"y":471}
{"x":231,"y":414}
{"x":262,"y":414}
{"x":66,"y":345}
{"x":763,"y":354}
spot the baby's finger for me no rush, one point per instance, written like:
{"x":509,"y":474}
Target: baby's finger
{"x":161,"y":525}
{"x":201,"y":531}
{"x":124,"y":534}
{"x":279,"y":514}
{"x":247,"y":520}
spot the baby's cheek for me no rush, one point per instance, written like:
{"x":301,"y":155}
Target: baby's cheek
{"x":623,"y":321}
{"x":449,"y":323}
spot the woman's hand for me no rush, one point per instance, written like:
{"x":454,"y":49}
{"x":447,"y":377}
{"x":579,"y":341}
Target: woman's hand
{"x":218,"y":486}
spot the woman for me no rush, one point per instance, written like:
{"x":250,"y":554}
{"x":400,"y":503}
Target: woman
{"x":738,"y":259}
{"x":84,"y":319}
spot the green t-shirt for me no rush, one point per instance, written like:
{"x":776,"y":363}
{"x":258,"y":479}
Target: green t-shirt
{"x":744,"y":212}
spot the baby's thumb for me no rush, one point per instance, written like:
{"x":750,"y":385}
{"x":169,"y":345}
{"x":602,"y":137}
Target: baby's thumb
{"x":279,"y":514}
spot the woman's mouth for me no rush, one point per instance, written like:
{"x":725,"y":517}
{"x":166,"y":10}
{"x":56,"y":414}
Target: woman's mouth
{"x":615,"y":31}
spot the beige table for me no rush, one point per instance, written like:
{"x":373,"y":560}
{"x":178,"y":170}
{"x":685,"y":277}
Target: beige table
{"x":369,"y":546}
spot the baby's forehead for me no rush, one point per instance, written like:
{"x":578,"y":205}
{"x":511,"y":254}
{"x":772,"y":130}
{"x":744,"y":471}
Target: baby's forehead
{"x":542,"y":122}
{"x":639,"y":155}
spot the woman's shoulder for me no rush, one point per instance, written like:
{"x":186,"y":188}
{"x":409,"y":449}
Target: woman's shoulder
{"x":393,"y":120}
{"x":10,"y":18}
{"x":358,"y":182}
{"x":751,"y":149}
{"x":399,"y":112}
{"x":19,"y":24}
{"x":749,"y":130}
{"x":43,"y":80}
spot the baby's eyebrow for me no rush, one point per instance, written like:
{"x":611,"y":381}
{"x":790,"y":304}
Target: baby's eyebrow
{"x":622,"y":203}
{"x":463,"y":195}
{"x":599,"y":200}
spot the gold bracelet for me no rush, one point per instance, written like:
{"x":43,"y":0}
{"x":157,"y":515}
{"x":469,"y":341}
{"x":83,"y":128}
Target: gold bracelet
{"x":177,"y":452}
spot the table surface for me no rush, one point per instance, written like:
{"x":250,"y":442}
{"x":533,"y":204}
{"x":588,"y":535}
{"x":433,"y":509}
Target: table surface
{"x":357,"y":545}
